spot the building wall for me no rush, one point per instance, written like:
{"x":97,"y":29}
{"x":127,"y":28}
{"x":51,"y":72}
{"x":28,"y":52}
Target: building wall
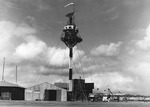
{"x":58,"y":95}
{"x":63,"y":95}
{"x":37,"y":92}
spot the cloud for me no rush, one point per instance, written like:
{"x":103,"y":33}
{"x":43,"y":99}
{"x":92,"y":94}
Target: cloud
{"x":6,"y":29}
{"x":42,"y":6}
{"x":7,"y":4}
{"x":107,"y":50}
{"x":139,"y":72}
{"x":24,"y":30}
{"x":37,"y":61}
{"x":60,"y":56}
{"x":128,"y":71}
{"x":30,"y":50}
{"x":135,"y":62}
{"x":111,"y":14}
{"x":30,"y":20}
{"x":9,"y":32}
{"x":114,"y":81}
{"x":133,"y":3}
{"x":145,"y":43}
{"x":22,"y":47}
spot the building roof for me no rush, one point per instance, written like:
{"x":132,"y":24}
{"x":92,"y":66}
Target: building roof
{"x":8,"y":84}
{"x":49,"y":85}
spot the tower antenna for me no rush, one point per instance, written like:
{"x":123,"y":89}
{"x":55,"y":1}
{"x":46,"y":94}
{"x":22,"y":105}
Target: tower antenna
{"x":71,"y":4}
{"x":74,"y":6}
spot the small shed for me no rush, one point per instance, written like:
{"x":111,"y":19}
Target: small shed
{"x":10,"y":91}
{"x":46,"y":92}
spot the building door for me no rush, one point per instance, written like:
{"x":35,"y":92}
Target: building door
{"x":50,"y":95}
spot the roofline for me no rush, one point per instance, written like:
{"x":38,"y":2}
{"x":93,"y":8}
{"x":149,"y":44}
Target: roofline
{"x":39,"y":84}
{"x":12,"y":86}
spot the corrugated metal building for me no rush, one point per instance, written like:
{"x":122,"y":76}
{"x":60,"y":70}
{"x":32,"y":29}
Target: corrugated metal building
{"x":9,"y":91}
{"x":45,"y":91}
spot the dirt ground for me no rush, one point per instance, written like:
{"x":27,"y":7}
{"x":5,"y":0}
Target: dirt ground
{"x":71,"y":104}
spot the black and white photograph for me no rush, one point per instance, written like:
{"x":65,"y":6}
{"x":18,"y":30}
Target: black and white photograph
{"x":74,"y":53}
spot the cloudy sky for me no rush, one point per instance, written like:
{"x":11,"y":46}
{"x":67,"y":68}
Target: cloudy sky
{"x":115,"y":51}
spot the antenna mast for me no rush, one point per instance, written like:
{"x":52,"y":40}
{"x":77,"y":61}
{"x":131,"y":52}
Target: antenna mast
{"x":3,"y":69}
{"x":71,"y":38}
{"x":73,"y":6}
{"x":16,"y":74}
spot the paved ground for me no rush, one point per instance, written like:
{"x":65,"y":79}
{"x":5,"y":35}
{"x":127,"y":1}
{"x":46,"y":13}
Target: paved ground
{"x":71,"y":104}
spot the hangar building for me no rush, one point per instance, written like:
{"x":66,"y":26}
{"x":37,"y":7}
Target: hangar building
{"x":46,"y":92}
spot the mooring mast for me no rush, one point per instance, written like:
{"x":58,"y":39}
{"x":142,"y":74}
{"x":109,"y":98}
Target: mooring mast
{"x":70,"y":37}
